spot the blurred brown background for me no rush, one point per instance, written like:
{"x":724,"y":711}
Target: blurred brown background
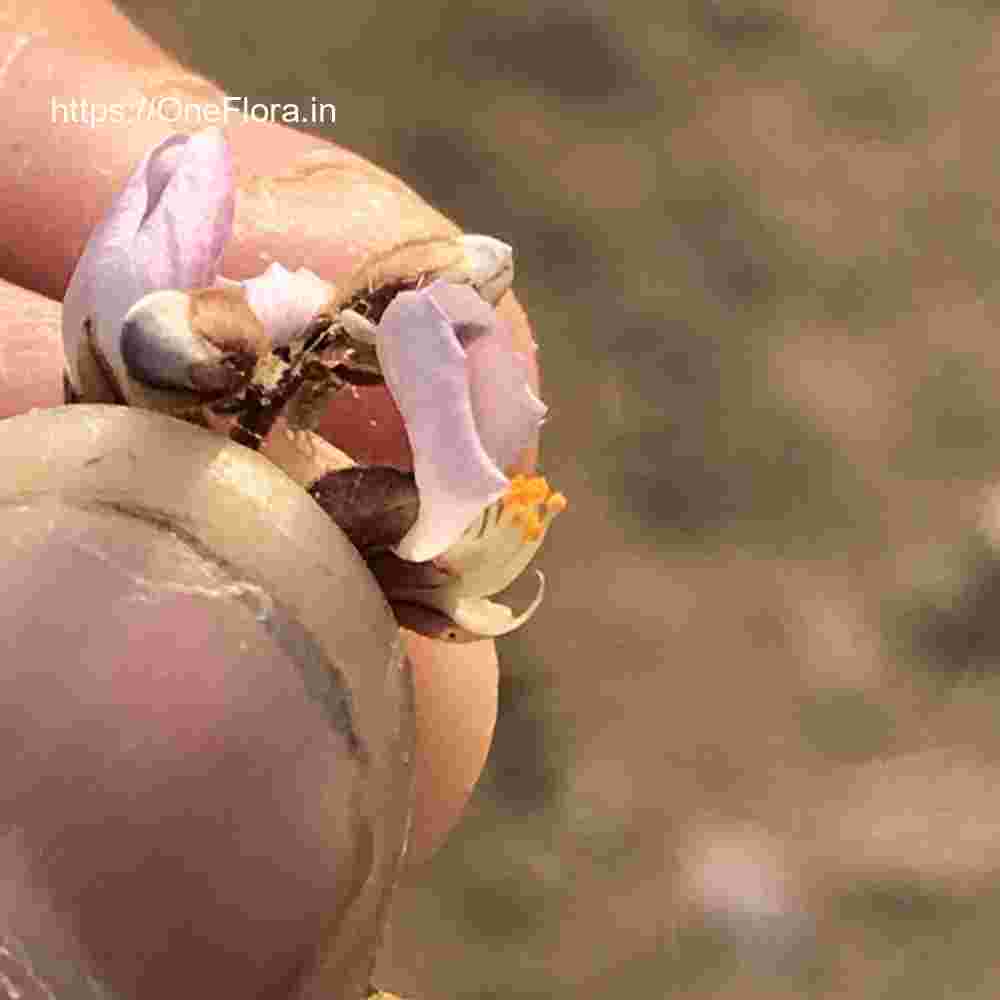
{"x":749,"y":748}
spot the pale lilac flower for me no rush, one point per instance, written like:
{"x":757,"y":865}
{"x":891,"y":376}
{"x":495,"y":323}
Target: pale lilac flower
{"x":167,"y":230}
{"x":467,"y":403}
{"x":450,"y":363}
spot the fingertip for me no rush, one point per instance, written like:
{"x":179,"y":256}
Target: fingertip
{"x":456,"y":710}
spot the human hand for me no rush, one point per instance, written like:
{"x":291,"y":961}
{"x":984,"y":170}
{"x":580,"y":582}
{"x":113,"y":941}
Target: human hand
{"x":306,"y":204}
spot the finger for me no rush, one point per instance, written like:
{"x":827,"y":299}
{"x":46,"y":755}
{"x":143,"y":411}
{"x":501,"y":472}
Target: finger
{"x":87,"y":25}
{"x":304,"y":202}
{"x":452,"y":741}
{"x":180,"y":747}
{"x":30,"y":351}
{"x":308,"y":200}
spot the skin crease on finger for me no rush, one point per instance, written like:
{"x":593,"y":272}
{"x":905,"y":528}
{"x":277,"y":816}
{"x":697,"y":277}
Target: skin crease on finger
{"x":305,"y":202}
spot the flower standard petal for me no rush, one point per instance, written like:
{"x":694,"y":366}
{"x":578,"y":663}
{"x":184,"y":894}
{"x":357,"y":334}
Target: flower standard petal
{"x":190,"y":215}
{"x":425,"y":368}
{"x":462,"y":429}
{"x":507,"y":412}
{"x":166,"y":229}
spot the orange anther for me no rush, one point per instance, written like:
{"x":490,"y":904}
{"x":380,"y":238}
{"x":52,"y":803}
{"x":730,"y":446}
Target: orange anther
{"x":556,"y":503}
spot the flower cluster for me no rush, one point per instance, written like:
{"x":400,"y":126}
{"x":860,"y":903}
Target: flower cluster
{"x":149,"y":321}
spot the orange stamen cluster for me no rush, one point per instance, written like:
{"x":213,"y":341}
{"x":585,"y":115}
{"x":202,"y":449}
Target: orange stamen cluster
{"x":532,"y":502}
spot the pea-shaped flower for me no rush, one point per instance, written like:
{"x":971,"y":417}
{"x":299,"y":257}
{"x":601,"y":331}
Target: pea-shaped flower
{"x":148,"y":322}
{"x":199,"y":336}
{"x":469,"y":410}
{"x":467,"y":404}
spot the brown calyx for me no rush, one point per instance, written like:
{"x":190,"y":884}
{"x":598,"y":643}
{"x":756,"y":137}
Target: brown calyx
{"x":375,"y":506}
{"x":223,"y":318}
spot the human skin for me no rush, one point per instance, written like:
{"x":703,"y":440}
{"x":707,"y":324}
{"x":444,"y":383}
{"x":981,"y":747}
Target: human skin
{"x":301,"y":202}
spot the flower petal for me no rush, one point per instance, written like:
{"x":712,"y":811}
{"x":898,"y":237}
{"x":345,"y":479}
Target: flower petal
{"x":464,"y":620}
{"x":426,"y":370}
{"x":284,"y":301}
{"x":507,"y":411}
{"x":189,"y":218}
{"x":479,"y":616}
{"x":166,"y":229}
{"x":497,"y":547}
{"x":466,"y":402}
{"x":487,"y":569}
